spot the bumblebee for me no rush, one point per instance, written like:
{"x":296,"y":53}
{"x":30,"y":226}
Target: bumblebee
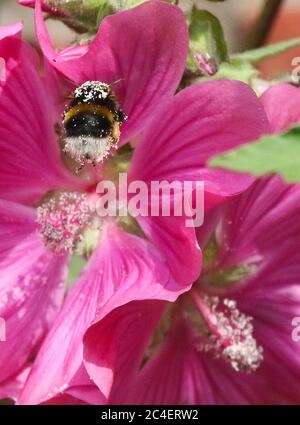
{"x":92,"y":123}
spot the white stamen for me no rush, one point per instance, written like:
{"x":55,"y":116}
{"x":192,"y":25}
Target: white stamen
{"x":231,"y":335}
{"x":62,"y":220}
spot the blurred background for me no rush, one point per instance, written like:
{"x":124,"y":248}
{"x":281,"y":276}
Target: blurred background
{"x":236,"y":16}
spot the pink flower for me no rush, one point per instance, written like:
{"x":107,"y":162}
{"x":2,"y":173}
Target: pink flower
{"x":223,"y":341}
{"x":179,"y":134}
{"x":31,"y":273}
{"x":226,"y":341}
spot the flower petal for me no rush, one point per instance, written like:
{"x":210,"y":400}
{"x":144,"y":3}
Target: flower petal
{"x":114,"y":347}
{"x":282,"y":105}
{"x":246,"y":233}
{"x":176,"y":373}
{"x":10,"y":30}
{"x":83,"y":388}
{"x":29,"y":277}
{"x":123,"y":267}
{"x":177,"y":243}
{"x":148,"y":59}
{"x":217,"y":383}
{"x":180,"y":375}
{"x":199,"y":122}
{"x":196,"y":124}
{"x":274,"y":310}
{"x":12,"y":387}
{"x":30,"y":157}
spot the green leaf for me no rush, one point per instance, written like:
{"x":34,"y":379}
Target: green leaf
{"x":206,"y":38}
{"x":82,"y":15}
{"x":241,"y":66}
{"x":75,"y":267}
{"x":104,"y":10}
{"x":236,"y":70}
{"x":257,"y":55}
{"x":278,"y":153}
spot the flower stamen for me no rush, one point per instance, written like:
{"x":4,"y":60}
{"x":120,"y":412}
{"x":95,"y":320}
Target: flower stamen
{"x":62,"y":220}
{"x":231,"y":332}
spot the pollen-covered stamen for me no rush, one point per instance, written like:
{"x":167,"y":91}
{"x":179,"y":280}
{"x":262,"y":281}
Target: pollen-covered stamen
{"x":62,"y":220}
{"x":231,"y":333}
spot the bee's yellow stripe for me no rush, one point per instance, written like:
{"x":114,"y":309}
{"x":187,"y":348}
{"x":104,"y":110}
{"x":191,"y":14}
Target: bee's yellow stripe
{"x":90,"y":108}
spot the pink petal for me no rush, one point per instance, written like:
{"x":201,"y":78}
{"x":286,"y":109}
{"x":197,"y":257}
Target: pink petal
{"x":274,"y":310}
{"x":176,"y":146}
{"x":29,"y":277}
{"x":64,"y":399}
{"x":10,"y":30}
{"x":258,"y":228}
{"x":12,"y":48}
{"x":124,"y":267}
{"x":199,"y":122}
{"x":272,"y":294}
{"x":177,"y":373}
{"x":282,"y":105}
{"x":148,"y":59}
{"x":114,"y":347}
{"x":30,"y":156}
{"x":12,"y":387}
{"x":83,"y":388}
{"x":160,"y":380}
{"x":216,"y":383}
{"x":177,"y":243}
{"x":73,"y":52}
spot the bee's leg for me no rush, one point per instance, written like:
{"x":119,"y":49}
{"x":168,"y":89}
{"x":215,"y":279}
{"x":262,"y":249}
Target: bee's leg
{"x":58,"y":130}
{"x":94,"y":163}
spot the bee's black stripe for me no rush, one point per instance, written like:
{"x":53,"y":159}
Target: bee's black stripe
{"x":88,"y":124}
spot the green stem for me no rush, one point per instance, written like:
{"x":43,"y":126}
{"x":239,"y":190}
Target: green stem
{"x":262,"y":27}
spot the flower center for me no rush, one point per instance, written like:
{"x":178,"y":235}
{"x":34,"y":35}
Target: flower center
{"x":217,"y":275}
{"x":218,"y":328}
{"x":160,"y":332}
{"x":230,"y":332}
{"x":64,"y":219}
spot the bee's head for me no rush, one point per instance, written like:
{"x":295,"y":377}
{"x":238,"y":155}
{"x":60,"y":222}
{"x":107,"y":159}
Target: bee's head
{"x":92,"y":91}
